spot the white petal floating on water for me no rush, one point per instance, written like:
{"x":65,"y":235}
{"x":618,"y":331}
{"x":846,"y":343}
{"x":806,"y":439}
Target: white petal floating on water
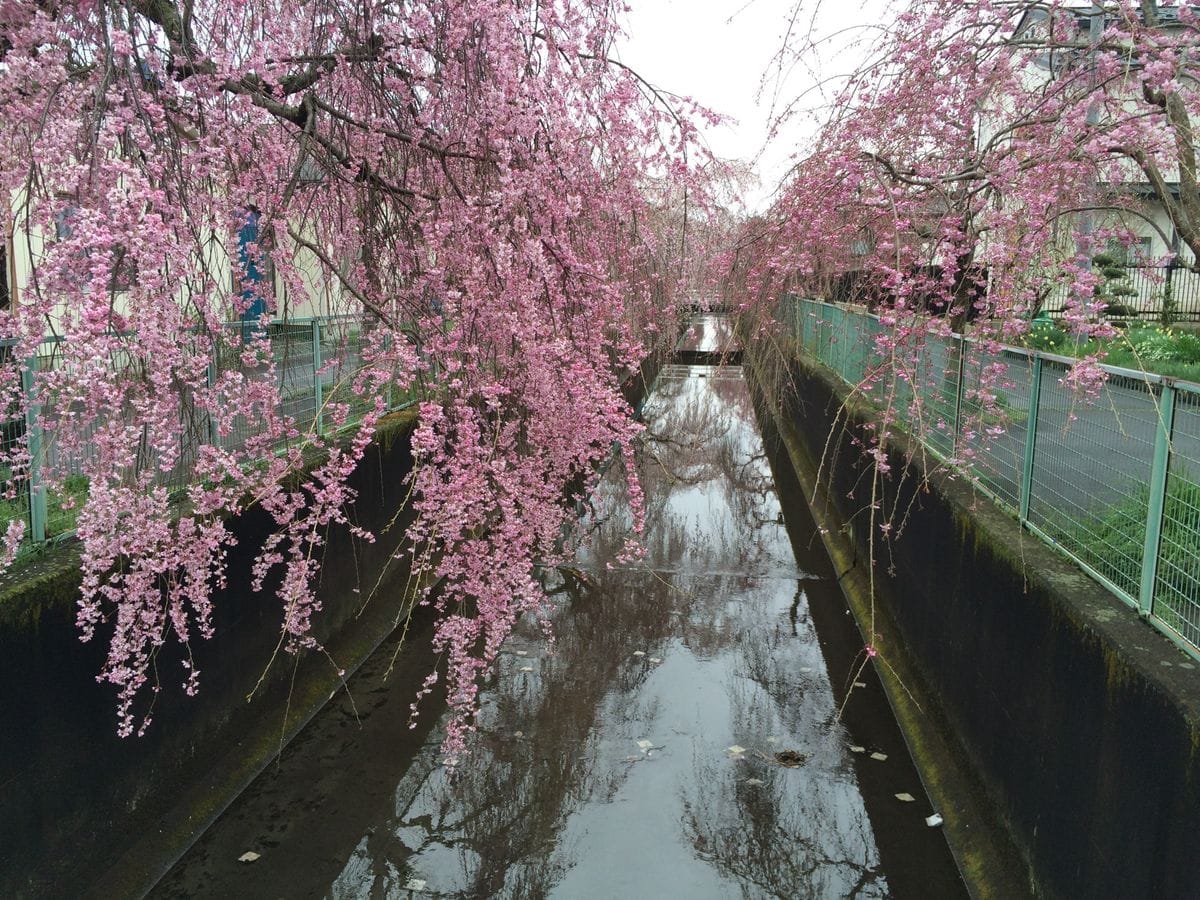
{"x":806,"y":669}
{"x":248,"y":857}
{"x":519,"y":653}
{"x":860,"y":684}
{"x":772,"y":740}
{"x":655,"y":660}
{"x":645,"y":745}
{"x":414,"y":884}
{"x":525,"y":669}
{"x":933,"y":821}
{"x":639,"y":652}
{"x":906,"y":798}
{"x":854,"y":748}
{"x":879,"y":757}
{"x":518,"y":734}
{"x":735,"y":750}
{"x":755,"y":781}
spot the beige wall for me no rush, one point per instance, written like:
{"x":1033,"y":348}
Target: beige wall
{"x":315,"y":292}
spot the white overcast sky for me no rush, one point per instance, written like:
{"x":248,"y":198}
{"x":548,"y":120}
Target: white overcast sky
{"x":720,"y":52}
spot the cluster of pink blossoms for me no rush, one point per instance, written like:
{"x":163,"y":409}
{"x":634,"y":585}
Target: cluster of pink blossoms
{"x":492,"y":197}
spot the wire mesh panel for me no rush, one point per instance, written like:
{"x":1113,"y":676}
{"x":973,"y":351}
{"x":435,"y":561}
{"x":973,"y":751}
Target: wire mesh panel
{"x":935,"y":377}
{"x":1091,"y":470}
{"x":809,"y":324}
{"x":822,"y":343}
{"x":994,"y":418}
{"x":292,"y":347}
{"x":14,"y":504}
{"x":834,"y":338}
{"x":847,"y":351}
{"x":857,"y":346}
{"x":898,"y":391}
{"x":62,"y":441}
{"x":342,"y":342}
{"x":841,"y":339}
{"x":241,"y":348}
{"x":1177,"y":585}
{"x":194,"y":431}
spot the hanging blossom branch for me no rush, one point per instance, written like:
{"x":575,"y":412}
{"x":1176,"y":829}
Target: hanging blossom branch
{"x":475,"y":179}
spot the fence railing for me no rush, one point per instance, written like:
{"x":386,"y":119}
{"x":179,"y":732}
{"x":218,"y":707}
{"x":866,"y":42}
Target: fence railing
{"x":1149,"y":293}
{"x":1113,"y":483}
{"x":315,"y":361}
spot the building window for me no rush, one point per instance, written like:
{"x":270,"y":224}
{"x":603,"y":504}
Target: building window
{"x":1138,"y":253}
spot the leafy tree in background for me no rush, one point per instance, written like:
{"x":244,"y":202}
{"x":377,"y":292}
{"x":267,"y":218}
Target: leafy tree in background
{"x":476,"y":177}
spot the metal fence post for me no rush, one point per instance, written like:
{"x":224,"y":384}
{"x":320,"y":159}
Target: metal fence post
{"x":1158,"y":495}
{"x":214,"y":433}
{"x":318,"y":388}
{"x":1035,"y":401}
{"x":33,"y":442}
{"x":389,"y":343}
{"x":961,"y":344}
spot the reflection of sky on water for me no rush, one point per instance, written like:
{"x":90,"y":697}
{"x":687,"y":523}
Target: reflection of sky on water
{"x":709,"y":334}
{"x":704,"y":644}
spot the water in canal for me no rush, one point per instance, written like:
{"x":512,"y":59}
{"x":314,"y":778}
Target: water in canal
{"x":682,"y":739}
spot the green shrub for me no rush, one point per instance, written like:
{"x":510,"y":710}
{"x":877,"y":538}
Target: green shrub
{"x":1154,"y":344}
{"x":1047,"y":336}
{"x":1187,"y":348}
{"x":1114,"y":284}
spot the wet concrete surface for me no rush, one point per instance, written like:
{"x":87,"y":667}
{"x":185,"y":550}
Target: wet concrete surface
{"x":680,"y":738}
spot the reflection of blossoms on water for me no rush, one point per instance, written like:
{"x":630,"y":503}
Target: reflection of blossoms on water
{"x":660,"y":664}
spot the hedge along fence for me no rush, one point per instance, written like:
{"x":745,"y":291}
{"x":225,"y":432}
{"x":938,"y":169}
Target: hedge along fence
{"x":1114,"y":484}
{"x":315,"y":361}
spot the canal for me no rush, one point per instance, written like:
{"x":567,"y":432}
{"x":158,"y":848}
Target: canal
{"x":687,"y":734}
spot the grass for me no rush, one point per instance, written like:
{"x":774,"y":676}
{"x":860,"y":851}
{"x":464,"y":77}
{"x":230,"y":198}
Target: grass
{"x":1112,"y":543}
{"x":1172,"y":352}
{"x":62,"y":509}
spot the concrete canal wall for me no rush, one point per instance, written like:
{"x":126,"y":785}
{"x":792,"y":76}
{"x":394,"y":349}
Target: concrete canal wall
{"x":85,"y":813}
{"x":1018,"y":678}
